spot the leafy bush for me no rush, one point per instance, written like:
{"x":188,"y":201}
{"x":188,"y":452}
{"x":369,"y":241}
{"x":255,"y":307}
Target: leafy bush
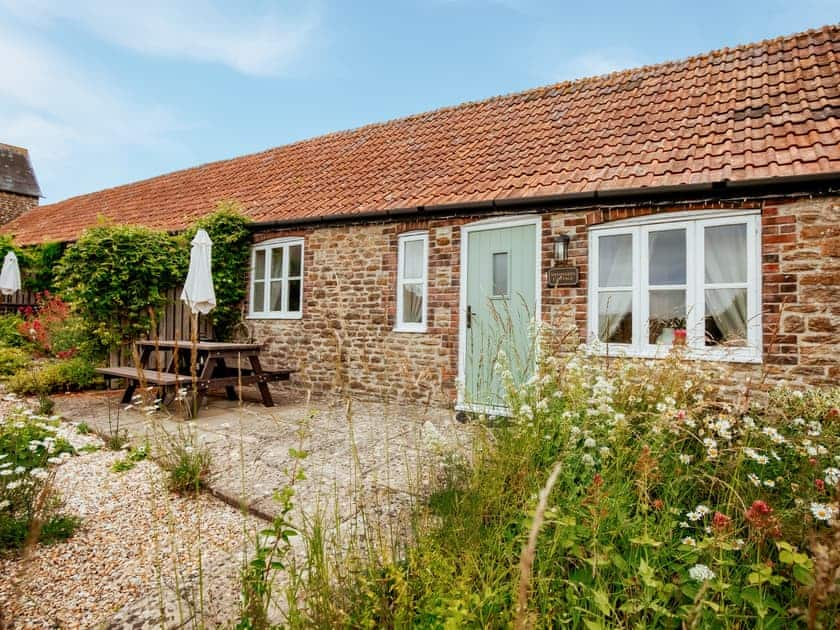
{"x":115,"y":276}
{"x":10,"y":334}
{"x":228,"y":230}
{"x":28,"y":452}
{"x":41,"y":262}
{"x":54,"y":376}
{"x":669,"y":510}
{"x":12,"y":360}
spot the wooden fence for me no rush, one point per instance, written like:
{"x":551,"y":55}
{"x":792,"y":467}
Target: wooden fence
{"x":173,"y":321}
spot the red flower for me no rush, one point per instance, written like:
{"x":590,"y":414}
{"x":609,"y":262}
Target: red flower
{"x":658,"y":504}
{"x":760,"y":516}
{"x":820,"y":484}
{"x":597,"y":480}
{"x":721,"y":521}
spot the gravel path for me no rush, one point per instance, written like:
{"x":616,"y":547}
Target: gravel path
{"x":136,"y":541}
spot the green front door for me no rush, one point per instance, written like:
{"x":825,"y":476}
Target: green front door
{"x":501,"y":302}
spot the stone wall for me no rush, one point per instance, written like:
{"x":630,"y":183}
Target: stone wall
{"x":13,"y":205}
{"x":346,"y":341}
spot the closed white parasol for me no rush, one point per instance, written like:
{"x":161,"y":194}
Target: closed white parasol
{"x":10,"y":276}
{"x":198,"y":290}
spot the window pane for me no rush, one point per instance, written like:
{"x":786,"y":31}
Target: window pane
{"x":412,"y":303}
{"x":667,"y":314}
{"x":259,"y":264}
{"x":500,"y":273}
{"x":413,"y":260}
{"x":726,"y":253}
{"x":259,"y":297}
{"x":615,"y":264}
{"x":294,"y":295}
{"x":667,"y":257}
{"x":277,"y":262}
{"x":726,"y":317}
{"x":275,"y":297}
{"x":615,"y":317}
{"x":294,"y":261}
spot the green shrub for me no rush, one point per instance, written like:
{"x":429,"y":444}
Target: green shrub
{"x":670,"y":510}
{"x":116,"y":275}
{"x":10,"y":331}
{"x":28,"y":452}
{"x":185,"y":459}
{"x":54,"y":376}
{"x":12,"y":360}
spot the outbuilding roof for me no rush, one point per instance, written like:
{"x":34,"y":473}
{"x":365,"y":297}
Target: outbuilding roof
{"x":757,"y":112}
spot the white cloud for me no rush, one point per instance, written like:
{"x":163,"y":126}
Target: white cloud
{"x":596,"y":62}
{"x":62,"y":112}
{"x":267,"y":44}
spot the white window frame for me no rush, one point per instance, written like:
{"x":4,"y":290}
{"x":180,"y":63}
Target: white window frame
{"x":694,"y":224}
{"x":421,"y":326}
{"x":267,"y":247}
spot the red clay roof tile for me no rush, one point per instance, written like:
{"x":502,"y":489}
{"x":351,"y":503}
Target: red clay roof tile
{"x":769,"y":109}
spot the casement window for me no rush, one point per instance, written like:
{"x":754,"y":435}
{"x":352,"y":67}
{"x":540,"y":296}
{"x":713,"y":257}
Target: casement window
{"x":412,"y":283}
{"x":277,"y":279}
{"x":692,"y":278}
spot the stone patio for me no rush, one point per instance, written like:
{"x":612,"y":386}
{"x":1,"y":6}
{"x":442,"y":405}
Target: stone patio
{"x":362,"y":457}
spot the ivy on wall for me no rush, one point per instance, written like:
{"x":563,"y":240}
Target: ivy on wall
{"x":228,"y":230}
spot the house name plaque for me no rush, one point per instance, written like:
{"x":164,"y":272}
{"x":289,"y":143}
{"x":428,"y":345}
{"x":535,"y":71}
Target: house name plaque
{"x":563,"y":277}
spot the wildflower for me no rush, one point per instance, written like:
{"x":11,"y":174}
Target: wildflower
{"x":814,"y":428}
{"x":748,"y":422}
{"x":797,"y":394}
{"x":799,"y":422}
{"x":819,"y":484}
{"x":20,"y":470}
{"x":589,"y":443}
{"x":13,"y":485}
{"x":688,"y":540}
{"x":769,"y":483}
{"x":754,"y":479}
{"x":38,"y":473}
{"x":4,"y":504}
{"x":739,"y":543}
{"x":658,"y":504}
{"x":760,"y":516}
{"x":587,"y":459}
{"x":701,"y":573}
{"x":604,"y":451}
{"x":684,"y":524}
{"x":526,"y":411}
{"x":721,"y":521}
{"x":822,"y":512}
{"x":685,"y":459}
{"x":832,"y":476}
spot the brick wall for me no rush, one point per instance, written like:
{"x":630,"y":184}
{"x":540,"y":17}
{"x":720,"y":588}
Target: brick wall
{"x":13,"y":205}
{"x":346,"y":340}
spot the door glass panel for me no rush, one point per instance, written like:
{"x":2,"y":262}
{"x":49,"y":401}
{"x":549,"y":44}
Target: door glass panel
{"x":277,"y":262}
{"x":259,"y":264}
{"x":667,"y":255}
{"x":294,"y":295}
{"x":276,"y":295}
{"x":615,"y":316}
{"x":294,"y":261}
{"x":500,"y":274}
{"x":259,"y":297}
{"x":667,"y":314}
{"x":412,"y":303}
{"x":726,"y":253}
{"x":615,"y":260}
{"x":413,"y":263}
{"x":726,"y":317}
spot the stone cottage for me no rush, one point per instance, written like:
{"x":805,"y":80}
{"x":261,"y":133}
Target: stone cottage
{"x":693,"y":202}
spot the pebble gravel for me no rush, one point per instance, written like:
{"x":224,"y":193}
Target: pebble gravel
{"x":136,"y":541}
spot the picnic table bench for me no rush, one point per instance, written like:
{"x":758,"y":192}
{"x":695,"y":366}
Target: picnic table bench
{"x":218,"y":364}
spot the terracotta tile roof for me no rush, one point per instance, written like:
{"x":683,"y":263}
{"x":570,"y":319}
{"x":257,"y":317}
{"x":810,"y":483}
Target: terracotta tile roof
{"x":764,"y":110}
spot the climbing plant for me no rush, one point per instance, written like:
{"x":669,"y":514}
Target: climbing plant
{"x":115,"y":274}
{"x":41,"y":262}
{"x":228,"y":230}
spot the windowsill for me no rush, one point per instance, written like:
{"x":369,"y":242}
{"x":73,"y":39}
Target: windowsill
{"x":719,"y":355}
{"x":410,"y":329}
{"x":274,"y":316}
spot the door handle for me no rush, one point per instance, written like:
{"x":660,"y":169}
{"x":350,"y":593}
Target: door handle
{"x":469,"y":316}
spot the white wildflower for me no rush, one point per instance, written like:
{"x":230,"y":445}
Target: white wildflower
{"x":797,"y":394}
{"x":588,"y":460}
{"x":685,"y":459}
{"x":688,"y":540}
{"x":754,"y":479}
{"x":799,"y":422}
{"x":769,"y":483}
{"x":4,"y":504}
{"x":589,"y":443}
{"x":822,"y":512}
{"x":701,"y":573}
{"x":684,"y":524}
{"x":832,"y":476}
{"x":13,"y":485}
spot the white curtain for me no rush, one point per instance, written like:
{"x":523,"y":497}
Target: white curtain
{"x":725,"y":248}
{"x":412,"y":305}
{"x":615,"y":269}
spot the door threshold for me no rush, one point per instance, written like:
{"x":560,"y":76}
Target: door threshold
{"x":492,"y":411}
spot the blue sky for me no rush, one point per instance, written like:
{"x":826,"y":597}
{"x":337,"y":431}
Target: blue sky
{"x":104,"y":94}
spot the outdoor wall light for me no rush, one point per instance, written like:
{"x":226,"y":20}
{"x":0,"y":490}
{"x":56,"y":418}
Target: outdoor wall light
{"x":561,"y":248}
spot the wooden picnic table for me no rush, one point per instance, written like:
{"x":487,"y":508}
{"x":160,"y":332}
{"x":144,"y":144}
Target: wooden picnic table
{"x":218,"y":364}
